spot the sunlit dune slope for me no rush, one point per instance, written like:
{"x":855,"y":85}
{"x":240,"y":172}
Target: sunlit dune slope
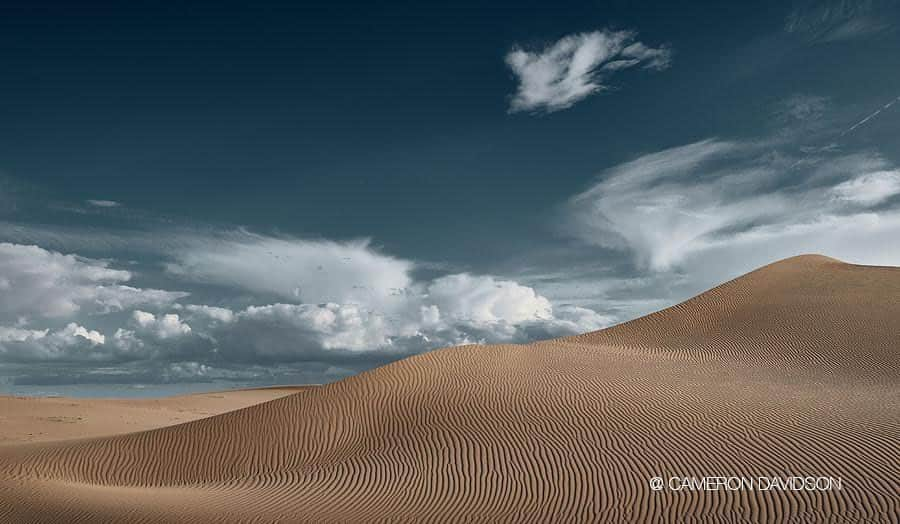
{"x":805,"y":311}
{"x":789,"y":370}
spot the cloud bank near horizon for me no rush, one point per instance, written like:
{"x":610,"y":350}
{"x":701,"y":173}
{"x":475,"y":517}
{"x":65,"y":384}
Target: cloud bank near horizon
{"x":336,"y":303}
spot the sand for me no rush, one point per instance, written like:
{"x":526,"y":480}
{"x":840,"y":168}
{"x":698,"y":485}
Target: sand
{"x":42,"y":419}
{"x":791,"y":370}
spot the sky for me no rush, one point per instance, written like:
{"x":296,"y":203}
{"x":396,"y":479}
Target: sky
{"x":221,"y":194}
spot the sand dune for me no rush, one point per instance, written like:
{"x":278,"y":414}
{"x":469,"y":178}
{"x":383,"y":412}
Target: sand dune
{"x":791,"y":370}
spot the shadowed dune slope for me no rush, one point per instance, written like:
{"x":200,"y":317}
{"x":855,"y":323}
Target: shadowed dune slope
{"x":791,"y":370}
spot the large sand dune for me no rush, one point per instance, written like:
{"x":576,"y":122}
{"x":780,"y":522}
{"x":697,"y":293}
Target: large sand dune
{"x":792,"y":370}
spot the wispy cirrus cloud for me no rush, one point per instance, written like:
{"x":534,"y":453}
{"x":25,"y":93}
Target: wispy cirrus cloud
{"x":870,"y":116}
{"x":714,"y":208}
{"x":103,"y":203}
{"x":869,"y":189}
{"x":576,"y":66}
{"x":834,"y":20}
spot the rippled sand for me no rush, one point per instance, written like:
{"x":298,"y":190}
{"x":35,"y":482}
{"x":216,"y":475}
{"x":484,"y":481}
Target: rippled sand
{"x":790,"y":370}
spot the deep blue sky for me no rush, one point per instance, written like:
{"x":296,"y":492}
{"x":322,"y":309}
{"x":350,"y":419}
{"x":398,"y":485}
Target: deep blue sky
{"x":343,"y":121}
{"x":346,"y":120}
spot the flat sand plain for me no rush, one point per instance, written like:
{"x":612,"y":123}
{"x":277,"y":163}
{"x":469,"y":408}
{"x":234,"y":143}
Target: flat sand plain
{"x":42,"y":419}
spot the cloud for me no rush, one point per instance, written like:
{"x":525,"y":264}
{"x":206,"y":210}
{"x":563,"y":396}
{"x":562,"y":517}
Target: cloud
{"x":154,"y":377}
{"x":656,"y":206}
{"x":836,"y":20}
{"x":352,"y":284}
{"x":451,"y":310}
{"x":576,"y":66}
{"x":713,"y":204}
{"x":162,"y":327}
{"x":670,"y":224}
{"x":74,"y":330}
{"x":483,"y":300}
{"x":218,"y":314}
{"x":158,"y":339}
{"x":42,"y":283}
{"x":162,"y":337}
{"x":870,"y":116}
{"x":458,"y":309}
{"x":344,"y":304}
{"x":801,"y":109}
{"x":313,"y":271}
{"x":869,"y":188}
{"x":73,"y":342}
{"x":103,"y":203}
{"x":291,"y":332}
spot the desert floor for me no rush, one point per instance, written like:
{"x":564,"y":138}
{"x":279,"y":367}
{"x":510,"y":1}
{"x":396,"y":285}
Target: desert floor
{"x":41,"y":419}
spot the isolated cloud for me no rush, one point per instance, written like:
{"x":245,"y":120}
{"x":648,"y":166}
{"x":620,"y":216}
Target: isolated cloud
{"x":42,"y":283}
{"x":576,"y":66}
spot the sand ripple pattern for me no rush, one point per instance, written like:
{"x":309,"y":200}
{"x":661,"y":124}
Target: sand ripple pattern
{"x":789,"y":370}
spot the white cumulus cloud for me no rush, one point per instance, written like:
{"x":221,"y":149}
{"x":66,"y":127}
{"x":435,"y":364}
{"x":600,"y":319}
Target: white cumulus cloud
{"x":72,"y":342}
{"x":318,"y":302}
{"x":482,"y":299}
{"x":38,"y":282}
{"x":162,"y":326}
{"x":451,"y":310}
{"x":219,"y":314}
